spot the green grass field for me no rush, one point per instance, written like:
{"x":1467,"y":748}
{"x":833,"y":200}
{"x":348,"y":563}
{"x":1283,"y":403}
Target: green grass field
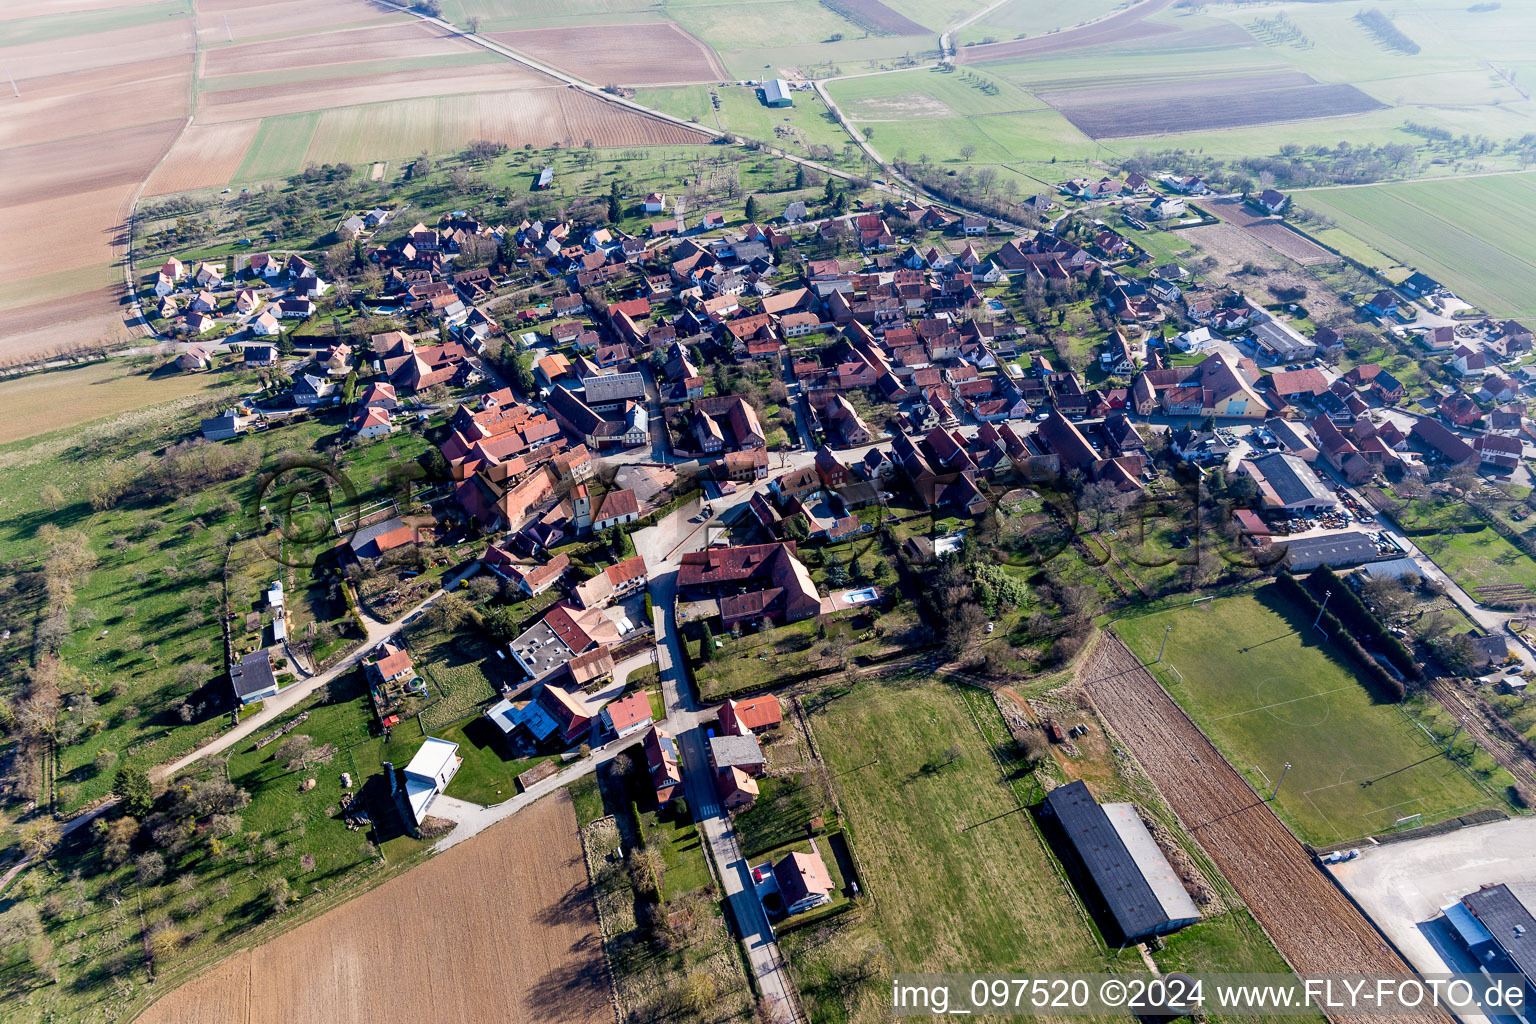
{"x":1012,"y":20}
{"x":1267,"y":690}
{"x":807,"y":123}
{"x":1474,"y":234}
{"x":671,"y":830}
{"x":930,"y":93}
{"x":279,"y":147}
{"x":961,"y":879}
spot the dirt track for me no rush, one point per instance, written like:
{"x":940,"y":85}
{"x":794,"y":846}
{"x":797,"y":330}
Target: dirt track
{"x":500,"y":928}
{"x":1313,"y":925}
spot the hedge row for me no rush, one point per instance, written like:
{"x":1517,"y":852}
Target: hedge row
{"x":1377,"y":679}
{"x":1346,"y":604}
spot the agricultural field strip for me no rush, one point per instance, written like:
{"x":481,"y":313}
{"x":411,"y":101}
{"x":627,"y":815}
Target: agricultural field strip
{"x":347,"y":46}
{"x":1172,"y":115}
{"x":645,"y":54}
{"x":1475,"y":232}
{"x":1310,"y":922}
{"x":519,"y":946}
{"x":1203,"y":86}
{"x":1125,"y":25}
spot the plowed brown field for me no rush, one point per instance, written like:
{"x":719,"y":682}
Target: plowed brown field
{"x":59,"y":170}
{"x":500,"y":928}
{"x":348,"y":46}
{"x":1311,"y":923}
{"x":15,"y":10}
{"x":252,"y":20}
{"x":98,"y":50}
{"x":205,"y":155}
{"x":1272,"y":233}
{"x":87,"y":102}
{"x":652,"y":54}
{"x":327,"y":94}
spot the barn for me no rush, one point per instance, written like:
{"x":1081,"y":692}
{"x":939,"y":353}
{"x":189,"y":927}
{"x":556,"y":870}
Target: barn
{"x":776,"y":93}
{"x":1115,"y":856}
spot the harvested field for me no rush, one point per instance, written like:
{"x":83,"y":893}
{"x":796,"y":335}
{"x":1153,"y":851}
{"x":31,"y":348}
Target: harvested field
{"x":77,"y":322}
{"x":18,"y":9}
{"x":541,"y":117}
{"x":1313,"y":925}
{"x":248,"y":20}
{"x":205,"y":155}
{"x":99,"y":50}
{"x":1272,"y":233}
{"x":650,"y":54}
{"x":1120,"y":90}
{"x":1125,"y":25}
{"x":89,"y":102}
{"x":300,"y":97}
{"x":347,"y":46}
{"x":93,"y":218}
{"x":587,"y":117}
{"x":519,"y":945}
{"x":378,"y":130}
{"x":875,"y":17}
{"x":41,"y":402}
{"x":61,"y":170}
{"x":1163,"y":115}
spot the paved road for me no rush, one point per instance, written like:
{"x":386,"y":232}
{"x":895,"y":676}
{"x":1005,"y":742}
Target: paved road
{"x":683,"y":716}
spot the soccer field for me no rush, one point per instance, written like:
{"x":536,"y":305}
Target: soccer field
{"x":1475,"y":235}
{"x":1268,"y":690}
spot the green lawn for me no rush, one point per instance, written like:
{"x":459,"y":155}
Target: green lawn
{"x":961,"y":879}
{"x":141,"y":634}
{"x":1474,"y":558}
{"x":671,"y":829}
{"x":1473,"y":234}
{"x":487,"y":775}
{"x":1267,"y":690}
{"x":783,"y":810}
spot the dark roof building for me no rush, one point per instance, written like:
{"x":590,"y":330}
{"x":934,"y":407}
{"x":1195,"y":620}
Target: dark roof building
{"x":1509,"y":922}
{"x":1335,"y":550}
{"x":1134,"y":880}
{"x":253,"y":678}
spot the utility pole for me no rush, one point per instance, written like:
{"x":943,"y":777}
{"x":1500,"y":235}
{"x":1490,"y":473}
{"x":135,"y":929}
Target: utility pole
{"x":1322,"y":608}
{"x":1281,"y":779}
{"x":227,"y":30}
{"x":1164,"y":645}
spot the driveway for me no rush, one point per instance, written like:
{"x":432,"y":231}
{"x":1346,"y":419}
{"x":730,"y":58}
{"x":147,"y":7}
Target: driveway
{"x":289,"y":697}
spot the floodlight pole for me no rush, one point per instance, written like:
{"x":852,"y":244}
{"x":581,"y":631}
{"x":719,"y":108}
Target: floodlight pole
{"x":1322,"y":608}
{"x":1452,"y":741}
{"x":1275,"y":792}
{"x":1164,"y":645}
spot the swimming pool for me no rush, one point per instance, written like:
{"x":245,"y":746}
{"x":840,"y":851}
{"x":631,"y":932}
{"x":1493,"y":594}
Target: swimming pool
{"x":864,"y":596}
